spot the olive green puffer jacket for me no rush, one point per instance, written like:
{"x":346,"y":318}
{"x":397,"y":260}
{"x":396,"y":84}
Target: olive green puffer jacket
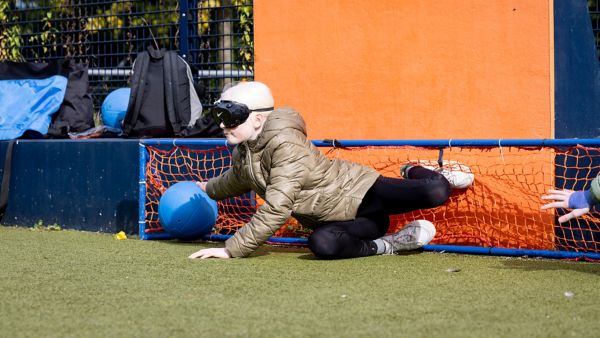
{"x":293,"y":178}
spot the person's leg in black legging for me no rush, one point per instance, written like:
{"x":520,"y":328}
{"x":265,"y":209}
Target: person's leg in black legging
{"x":348,"y":239}
{"x":423,"y":189}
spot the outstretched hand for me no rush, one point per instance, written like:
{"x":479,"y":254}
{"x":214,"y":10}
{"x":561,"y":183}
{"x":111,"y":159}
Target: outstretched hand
{"x":561,"y":200}
{"x":211,"y":252}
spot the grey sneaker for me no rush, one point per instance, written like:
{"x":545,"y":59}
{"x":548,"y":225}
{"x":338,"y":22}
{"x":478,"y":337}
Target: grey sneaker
{"x":413,"y":236}
{"x":459,"y":175}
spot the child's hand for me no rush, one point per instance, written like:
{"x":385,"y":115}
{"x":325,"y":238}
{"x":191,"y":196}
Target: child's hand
{"x":567,"y":199}
{"x":212,"y":252}
{"x":202,"y":185}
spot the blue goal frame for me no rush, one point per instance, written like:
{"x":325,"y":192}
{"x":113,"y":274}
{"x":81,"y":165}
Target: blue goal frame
{"x":441,"y":144}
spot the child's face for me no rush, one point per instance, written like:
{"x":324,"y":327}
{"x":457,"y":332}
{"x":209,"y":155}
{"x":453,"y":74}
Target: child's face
{"x":248,"y":130}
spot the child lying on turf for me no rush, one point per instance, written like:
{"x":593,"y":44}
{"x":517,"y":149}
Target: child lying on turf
{"x":348,"y":205}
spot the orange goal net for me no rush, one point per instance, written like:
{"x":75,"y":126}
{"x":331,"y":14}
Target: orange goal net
{"x":500,"y":210}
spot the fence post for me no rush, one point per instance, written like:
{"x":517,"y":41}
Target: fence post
{"x":184,"y":48}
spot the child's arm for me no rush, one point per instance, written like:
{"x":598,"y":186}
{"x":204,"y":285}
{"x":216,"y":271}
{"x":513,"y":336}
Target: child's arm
{"x":291,"y":164}
{"x":580,"y":202}
{"x":226,"y":185}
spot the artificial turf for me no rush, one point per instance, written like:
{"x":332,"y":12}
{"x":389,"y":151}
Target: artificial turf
{"x":81,"y":284}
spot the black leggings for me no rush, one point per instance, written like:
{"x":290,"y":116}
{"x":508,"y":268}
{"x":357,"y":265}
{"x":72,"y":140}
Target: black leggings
{"x":388,"y":196}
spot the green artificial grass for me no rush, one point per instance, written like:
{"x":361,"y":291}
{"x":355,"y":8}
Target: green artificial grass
{"x":80,"y":284}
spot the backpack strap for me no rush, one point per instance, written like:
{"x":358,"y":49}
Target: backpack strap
{"x":138,"y":84}
{"x":6,"y":178}
{"x":172,"y":89}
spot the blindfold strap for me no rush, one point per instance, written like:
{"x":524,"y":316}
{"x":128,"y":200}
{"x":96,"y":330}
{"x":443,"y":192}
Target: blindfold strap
{"x":263,"y":109}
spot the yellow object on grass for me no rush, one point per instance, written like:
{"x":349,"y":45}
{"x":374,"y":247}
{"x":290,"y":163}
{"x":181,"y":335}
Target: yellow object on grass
{"x":120,"y":235}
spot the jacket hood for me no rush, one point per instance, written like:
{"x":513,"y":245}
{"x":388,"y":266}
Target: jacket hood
{"x":281,"y":121}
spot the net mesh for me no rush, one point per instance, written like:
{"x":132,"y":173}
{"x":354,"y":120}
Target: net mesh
{"x":500,"y":209}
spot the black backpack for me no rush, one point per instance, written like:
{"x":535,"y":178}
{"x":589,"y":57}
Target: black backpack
{"x":163,"y":100}
{"x":76,"y":113}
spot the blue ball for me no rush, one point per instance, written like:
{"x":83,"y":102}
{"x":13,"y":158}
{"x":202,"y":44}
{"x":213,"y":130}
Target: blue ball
{"x":114,"y":107}
{"x":186,"y":212}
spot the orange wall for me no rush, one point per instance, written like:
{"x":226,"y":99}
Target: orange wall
{"x":402,"y":69}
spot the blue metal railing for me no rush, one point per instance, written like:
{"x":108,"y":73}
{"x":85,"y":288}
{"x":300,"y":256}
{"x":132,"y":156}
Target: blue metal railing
{"x":418,"y":143}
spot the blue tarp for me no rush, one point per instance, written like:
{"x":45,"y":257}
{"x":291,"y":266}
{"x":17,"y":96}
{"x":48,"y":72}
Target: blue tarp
{"x":28,"y":104}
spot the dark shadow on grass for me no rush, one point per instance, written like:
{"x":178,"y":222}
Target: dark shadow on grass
{"x":549,"y":264}
{"x":266,"y":250}
{"x":282,"y":249}
{"x":311,"y":256}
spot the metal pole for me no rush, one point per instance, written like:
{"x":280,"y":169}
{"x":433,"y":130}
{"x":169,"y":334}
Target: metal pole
{"x":184,"y":48}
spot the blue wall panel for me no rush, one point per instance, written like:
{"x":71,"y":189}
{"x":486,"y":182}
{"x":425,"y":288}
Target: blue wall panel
{"x":85,"y":184}
{"x":577,"y":72}
{"x":577,"y":108}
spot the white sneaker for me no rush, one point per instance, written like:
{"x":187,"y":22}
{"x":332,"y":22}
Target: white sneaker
{"x":459,"y":175}
{"x":413,"y":236}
